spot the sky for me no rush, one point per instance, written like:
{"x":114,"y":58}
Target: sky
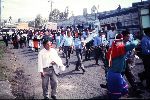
{"x":29,"y":9}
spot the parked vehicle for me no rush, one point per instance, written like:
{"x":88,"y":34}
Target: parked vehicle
{"x":9,"y":31}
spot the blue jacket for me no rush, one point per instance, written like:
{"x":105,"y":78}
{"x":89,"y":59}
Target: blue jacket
{"x":119,"y":63}
{"x":67,"y":41}
{"x":97,"y":41}
{"x":145,"y":44}
{"x":77,"y":43}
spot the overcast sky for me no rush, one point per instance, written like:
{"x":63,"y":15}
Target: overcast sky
{"x":28,"y":9}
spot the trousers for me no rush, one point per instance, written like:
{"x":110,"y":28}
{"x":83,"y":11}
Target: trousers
{"x":67,"y":51}
{"x":129,"y":75}
{"x":146,"y":63}
{"x":49,"y":76}
{"x":99,"y":53}
{"x":79,"y":57}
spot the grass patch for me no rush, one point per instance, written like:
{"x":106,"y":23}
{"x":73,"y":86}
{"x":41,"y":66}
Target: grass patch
{"x":1,"y":49}
{"x":3,"y":75}
{"x":2,"y":68}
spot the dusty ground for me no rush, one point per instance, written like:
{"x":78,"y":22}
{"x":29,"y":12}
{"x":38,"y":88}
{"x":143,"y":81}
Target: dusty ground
{"x":21,"y":79}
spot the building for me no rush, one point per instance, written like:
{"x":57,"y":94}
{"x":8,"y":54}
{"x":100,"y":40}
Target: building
{"x":85,"y":12}
{"x":134,"y":18}
{"x":87,"y":21}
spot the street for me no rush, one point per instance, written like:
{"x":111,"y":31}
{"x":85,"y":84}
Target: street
{"x":25,"y":81}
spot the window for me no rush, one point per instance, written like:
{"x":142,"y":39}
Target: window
{"x":145,"y":16}
{"x":146,"y":21}
{"x":144,"y":11}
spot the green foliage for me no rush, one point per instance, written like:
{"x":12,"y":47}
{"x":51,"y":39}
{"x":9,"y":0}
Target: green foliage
{"x":38,"y":21}
{"x":56,"y":15}
{"x":2,"y":71}
{"x":3,"y":75}
{"x":1,"y":49}
{"x":31,"y":24}
{"x":19,"y":20}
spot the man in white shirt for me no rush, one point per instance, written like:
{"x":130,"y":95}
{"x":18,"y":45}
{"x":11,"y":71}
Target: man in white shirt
{"x":49,"y":64}
{"x":111,"y":36}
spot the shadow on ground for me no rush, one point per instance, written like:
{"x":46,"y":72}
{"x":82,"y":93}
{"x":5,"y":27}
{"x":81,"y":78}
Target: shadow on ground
{"x":73,"y":72}
{"x":101,"y":97}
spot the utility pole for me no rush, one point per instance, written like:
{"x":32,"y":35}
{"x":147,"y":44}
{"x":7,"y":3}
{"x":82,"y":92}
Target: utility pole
{"x":51,"y":4}
{"x":0,"y":13}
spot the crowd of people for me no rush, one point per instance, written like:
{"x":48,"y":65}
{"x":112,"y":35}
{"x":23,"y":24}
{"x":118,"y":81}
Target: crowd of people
{"x":116,"y":50}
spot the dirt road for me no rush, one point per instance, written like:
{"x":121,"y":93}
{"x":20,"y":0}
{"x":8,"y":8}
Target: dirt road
{"x":25,"y":81}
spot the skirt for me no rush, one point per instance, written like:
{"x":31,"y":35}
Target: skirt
{"x":117,"y":86}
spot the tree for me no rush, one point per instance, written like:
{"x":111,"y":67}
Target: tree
{"x":10,"y":19}
{"x":66,"y":13}
{"x":61,"y":15}
{"x":54,"y":15}
{"x":45,"y":20}
{"x":5,"y":21}
{"x":119,"y":7}
{"x":38,"y":21}
{"x":19,"y":20}
{"x":31,"y":24}
{"x":93,"y":9}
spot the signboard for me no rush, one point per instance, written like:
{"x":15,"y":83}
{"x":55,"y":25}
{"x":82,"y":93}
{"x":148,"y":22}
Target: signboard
{"x":22,"y":26}
{"x":51,"y":25}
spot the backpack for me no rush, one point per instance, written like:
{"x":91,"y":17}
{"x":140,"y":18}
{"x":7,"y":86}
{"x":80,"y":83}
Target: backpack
{"x":116,"y":50}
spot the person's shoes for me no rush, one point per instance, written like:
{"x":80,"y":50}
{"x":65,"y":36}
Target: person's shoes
{"x":96,"y":63}
{"x":77,"y":69}
{"x":86,"y":60}
{"x":140,"y":85}
{"x":139,"y":96}
{"x":89,"y":59}
{"x":140,"y":77}
{"x":54,"y":97}
{"x":67,"y":66}
{"x":138,"y":91}
{"x":148,"y":90}
{"x":46,"y":98}
{"x":136,"y":94}
{"x":83,"y":71}
{"x":103,"y":86}
{"x":63,"y":55}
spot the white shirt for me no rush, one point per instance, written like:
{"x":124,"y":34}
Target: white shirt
{"x":58,"y":37}
{"x":110,"y":37}
{"x":104,"y":41}
{"x":45,"y":57}
{"x":111,"y":34}
{"x":131,"y":38}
